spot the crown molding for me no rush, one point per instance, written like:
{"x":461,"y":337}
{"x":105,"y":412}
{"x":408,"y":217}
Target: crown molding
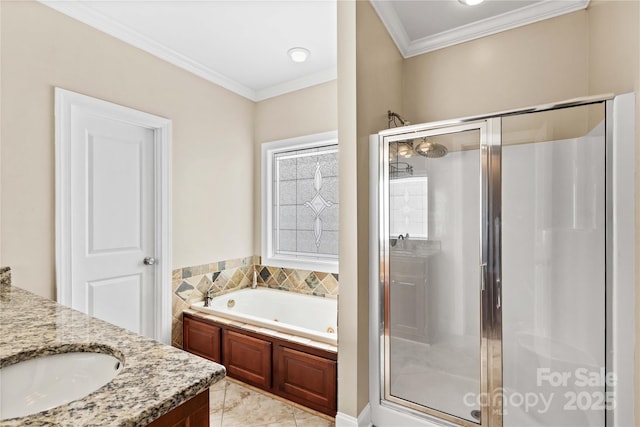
{"x":389,"y":17}
{"x":85,"y":14}
{"x":506,"y":21}
{"x":297,"y":84}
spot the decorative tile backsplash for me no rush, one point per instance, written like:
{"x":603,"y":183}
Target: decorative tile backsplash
{"x":190,"y":284}
{"x":5,"y":276}
{"x":300,"y":281}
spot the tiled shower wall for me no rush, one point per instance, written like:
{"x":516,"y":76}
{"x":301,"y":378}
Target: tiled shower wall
{"x":191,"y":283}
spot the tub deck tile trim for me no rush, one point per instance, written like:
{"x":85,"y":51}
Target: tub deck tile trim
{"x":278,"y":334}
{"x":300,"y":340}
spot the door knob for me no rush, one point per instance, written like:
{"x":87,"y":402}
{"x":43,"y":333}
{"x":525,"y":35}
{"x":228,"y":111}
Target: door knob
{"x":149,"y":261}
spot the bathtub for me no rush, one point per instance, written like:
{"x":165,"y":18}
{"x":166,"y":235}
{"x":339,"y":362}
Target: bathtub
{"x":288,"y":312}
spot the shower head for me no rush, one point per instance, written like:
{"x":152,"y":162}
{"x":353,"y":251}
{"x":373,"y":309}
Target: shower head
{"x":430,"y":149}
{"x":401,"y":149}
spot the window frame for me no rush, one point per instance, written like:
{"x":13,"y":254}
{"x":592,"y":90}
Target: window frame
{"x":268,"y":151}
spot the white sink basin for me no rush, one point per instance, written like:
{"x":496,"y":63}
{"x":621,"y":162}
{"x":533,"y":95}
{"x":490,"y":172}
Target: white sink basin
{"x":36,"y":385}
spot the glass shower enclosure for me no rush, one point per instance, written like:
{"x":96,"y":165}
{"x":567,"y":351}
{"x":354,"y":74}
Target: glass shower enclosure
{"x":492,"y":268}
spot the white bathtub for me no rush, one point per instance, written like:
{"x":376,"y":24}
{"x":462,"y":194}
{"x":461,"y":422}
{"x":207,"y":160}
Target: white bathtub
{"x":296,"y":314}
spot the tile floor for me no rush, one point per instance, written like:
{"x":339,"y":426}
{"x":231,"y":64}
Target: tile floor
{"x":233,"y":404}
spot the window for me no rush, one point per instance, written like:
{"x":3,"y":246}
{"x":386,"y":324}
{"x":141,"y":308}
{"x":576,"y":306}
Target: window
{"x":300,"y":202}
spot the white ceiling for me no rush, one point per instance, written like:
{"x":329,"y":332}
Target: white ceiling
{"x":424,"y":19}
{"x":242,"y":44}
{"x":422,"y":26}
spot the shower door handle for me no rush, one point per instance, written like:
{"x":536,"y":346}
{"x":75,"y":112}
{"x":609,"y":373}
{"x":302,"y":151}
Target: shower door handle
{"x":497,"y":271}
{"x":483,"y":275}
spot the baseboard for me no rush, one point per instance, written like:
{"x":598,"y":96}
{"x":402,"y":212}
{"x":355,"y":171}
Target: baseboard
{"x":363,"y":420}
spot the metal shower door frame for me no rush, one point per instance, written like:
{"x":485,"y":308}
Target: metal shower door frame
{"x":490,"y":346}
{"x":491,"y":205}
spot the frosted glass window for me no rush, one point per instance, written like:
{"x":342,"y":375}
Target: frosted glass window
{"x":305,"y":203}
{"x":302,"y":204}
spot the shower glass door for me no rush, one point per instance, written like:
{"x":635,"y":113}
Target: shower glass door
{"x":432,"y":247}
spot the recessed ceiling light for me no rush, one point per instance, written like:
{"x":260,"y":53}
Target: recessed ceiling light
{"x":298,"y":54}
{"x":470,"y":2}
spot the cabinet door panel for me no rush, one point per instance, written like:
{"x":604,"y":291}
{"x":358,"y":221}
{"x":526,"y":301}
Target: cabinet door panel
{"x":247,"y":358}
{"x":306,"y":379}
{"x":202,"y":339}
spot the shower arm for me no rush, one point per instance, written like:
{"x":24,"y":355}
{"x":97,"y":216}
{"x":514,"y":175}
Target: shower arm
{"x":392,"y":116}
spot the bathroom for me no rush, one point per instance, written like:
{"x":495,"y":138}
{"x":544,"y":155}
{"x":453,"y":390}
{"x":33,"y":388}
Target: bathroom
{"x":215,"y":191}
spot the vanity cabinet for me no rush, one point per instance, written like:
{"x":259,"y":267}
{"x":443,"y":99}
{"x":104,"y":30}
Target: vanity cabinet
{"x":409,"y":290}
{"x":303,"y":374}
{"x":192,"y":413}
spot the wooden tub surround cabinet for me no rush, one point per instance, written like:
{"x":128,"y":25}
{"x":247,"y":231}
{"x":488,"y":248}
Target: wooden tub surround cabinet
{"x":300,"y":373}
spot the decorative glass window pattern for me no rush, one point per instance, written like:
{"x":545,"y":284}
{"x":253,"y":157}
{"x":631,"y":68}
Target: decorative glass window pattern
{"x":302,"y":203}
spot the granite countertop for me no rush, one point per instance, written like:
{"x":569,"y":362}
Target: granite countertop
{"x":155,"y":377}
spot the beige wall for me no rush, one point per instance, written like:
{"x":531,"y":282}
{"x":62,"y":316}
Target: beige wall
{"x":350,"y":389}
{"x":614,"y":43}
{"x":212,"y":141}
{"x":369,"y":84}
{"x":379,"y":89}
{"x":303,"y":112}
{"x":534,"y":64}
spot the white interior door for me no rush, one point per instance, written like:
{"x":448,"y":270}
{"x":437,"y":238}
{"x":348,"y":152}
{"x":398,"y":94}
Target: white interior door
{"x":113,"y":220}
{"x":111,"y":224}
